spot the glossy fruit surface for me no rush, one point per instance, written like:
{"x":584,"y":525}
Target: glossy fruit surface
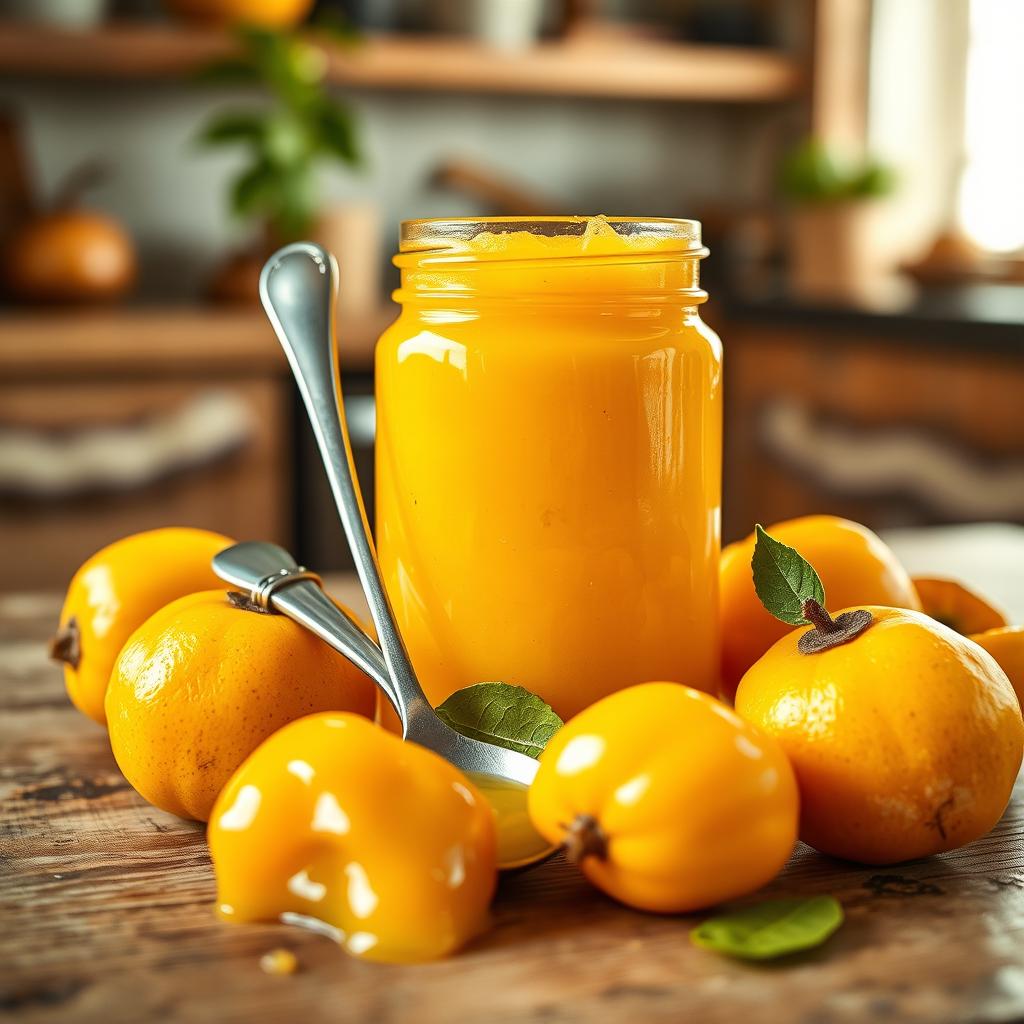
{"x":855,"y":566}
{"x":957,"y":606}
{"x":70,"y":256}
{"x":115,"y":591}
{"x":200,"y":684}
{"x":905,"y":741}
{"x":260,"y":13}
{"x":669,"y":800}
{"x":338,"y":825}
{"x":1006,"y":645}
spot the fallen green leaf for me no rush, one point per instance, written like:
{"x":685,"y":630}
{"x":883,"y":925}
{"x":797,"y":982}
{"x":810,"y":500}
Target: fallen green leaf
{"x":772,"y":928}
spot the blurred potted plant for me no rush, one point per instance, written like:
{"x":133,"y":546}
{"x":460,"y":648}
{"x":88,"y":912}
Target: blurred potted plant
{"x":287,"y":142}
{"x":834,"y":206}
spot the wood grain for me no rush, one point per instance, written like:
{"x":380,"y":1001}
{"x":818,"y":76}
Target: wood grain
{"x":107,"y":916}
{"x":612,"y":68}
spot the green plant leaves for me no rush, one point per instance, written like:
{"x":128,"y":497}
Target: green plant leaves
{"x":783,"y":579}
{"x":812,"y":172}
{"x":772,"y":928}
{"x":233,"y":126}
{"x":286,"y":140}
{"x":508,"y":716}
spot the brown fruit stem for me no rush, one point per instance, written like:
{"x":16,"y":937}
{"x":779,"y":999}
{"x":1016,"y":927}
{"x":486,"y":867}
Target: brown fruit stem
{"x":66,"y":646}
{"x":818,"y":617}
{"x":245,"y":603}
{"x":829,"y":632}
{"x":584,"y":838}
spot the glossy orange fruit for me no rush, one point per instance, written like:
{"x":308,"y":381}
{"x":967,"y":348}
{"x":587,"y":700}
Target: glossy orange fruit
{"x":906,"y":740}
{"x":667,"y":799}
{"x":334,"y":823}
{"x":200,"y":684}
{"x":855,"y":566}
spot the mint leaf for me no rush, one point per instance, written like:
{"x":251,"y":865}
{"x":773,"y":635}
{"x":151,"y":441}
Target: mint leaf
{"x":508,"y":716}
{"x":784,"y":579}
{"x":772,"y":928}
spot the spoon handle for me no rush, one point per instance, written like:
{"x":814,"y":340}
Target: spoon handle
{"x":250,"y":564}
{"x":298,"y":288}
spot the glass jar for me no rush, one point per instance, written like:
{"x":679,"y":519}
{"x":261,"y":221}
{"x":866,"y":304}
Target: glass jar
{"x":549,"y":456}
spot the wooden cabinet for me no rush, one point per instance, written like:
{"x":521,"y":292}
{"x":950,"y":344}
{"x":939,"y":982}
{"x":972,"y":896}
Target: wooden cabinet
{"x":109,"y":425}
{"x":889,"y":427}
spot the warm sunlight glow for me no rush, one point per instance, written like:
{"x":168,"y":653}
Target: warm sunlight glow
{"x":992,"y":187}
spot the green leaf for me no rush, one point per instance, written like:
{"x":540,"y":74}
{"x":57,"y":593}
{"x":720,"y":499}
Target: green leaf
{"x":508,"y":716}
{"x":784,"y":579}
{"x":337,"y":133}
{"x":227,"y":72}
{"x":254,"y":190}
{"x":234,"y":126}
{"x":772,"y":928}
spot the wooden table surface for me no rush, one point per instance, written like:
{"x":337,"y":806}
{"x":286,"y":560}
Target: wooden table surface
{"x":107,"y":915}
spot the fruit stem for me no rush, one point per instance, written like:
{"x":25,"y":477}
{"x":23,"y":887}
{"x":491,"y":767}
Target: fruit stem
{"x":66,"y":646}
{"x":818,"y":617}
{"x":584,"y":838}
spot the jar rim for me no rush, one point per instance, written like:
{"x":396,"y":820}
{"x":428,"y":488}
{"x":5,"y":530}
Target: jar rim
{"x":441,"y":234}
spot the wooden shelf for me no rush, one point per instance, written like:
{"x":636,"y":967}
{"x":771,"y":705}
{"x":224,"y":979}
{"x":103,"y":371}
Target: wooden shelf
{"x":123,"y":341}
{"x":613,"y":66}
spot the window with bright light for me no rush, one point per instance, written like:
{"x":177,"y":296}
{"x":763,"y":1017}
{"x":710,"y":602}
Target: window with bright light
{"x":992,"y":187}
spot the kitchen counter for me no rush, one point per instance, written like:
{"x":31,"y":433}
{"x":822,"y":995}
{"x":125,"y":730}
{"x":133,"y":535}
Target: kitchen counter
{"x":108,"y":908}
{"x":976,"y":316}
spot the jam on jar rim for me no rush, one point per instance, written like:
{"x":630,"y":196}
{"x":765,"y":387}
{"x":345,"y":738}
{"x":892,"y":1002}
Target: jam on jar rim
{"x":657,"y":259}
{"x":547,"y":237}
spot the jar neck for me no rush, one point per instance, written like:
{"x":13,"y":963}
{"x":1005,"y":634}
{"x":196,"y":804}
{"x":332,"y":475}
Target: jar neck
{"x":608,"y":281}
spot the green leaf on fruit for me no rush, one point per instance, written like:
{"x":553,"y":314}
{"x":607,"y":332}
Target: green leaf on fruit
{"x":508,"y":716}
{"x":772,"y":928}
{"x":784,"y":579}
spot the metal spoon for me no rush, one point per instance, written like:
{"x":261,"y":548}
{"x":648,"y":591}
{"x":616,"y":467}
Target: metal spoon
{"x":298,"y":288}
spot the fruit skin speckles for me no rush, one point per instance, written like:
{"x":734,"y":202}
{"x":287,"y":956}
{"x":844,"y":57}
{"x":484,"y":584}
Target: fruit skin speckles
{"x":923,"y":744}
{"x":115,"y":591}
{"x":201,"y":683}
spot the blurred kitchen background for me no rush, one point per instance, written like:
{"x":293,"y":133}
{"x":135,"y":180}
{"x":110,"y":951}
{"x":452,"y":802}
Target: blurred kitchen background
{"x":856,"y":164}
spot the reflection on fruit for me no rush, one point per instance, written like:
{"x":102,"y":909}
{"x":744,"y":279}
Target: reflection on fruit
{"x":905,"y":741}
{"x":854,"y":564}
{"x":335,"y":824}
{"x":271,"y":14}
{"x":203,"y":682}
{"x":1006,"y":645}
{"x":667,"y":799}
{"x":957,"y":606}
{"x":115,"y":591}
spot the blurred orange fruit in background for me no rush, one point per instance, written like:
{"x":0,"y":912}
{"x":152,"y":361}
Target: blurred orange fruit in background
{"x":957,"y":606}
{"x":1006,"y":645}
{"x":273,"y":14}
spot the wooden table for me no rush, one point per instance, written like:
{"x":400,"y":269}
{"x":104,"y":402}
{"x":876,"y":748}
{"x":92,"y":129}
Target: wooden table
{"x":107,"y":916}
